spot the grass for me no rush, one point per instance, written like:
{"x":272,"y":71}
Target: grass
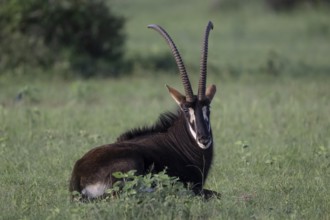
{"x":270,"y":121}
{"x":272,"y":147}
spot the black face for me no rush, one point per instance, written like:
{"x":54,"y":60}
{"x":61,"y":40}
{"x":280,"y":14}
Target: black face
{"x":198,"y":117}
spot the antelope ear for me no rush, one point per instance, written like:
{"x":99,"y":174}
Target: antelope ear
{"x":176,"y":95}
{"x":210,"y":92}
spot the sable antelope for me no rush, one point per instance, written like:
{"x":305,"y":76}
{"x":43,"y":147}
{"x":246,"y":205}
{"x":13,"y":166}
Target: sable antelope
{"x":181,"y":143}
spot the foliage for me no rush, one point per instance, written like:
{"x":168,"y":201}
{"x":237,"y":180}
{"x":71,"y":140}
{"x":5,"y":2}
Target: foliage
{"x":83,"y":35}
{"x":144,"y":188}
{"x":285,"y":5}
{"x":276,"y":5}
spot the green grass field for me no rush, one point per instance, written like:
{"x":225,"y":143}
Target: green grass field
{"x":270,"y":118}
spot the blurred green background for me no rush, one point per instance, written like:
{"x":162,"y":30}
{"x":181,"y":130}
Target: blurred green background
{"x":109,"y":38}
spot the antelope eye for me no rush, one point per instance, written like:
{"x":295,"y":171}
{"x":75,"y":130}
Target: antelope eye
{"x":208,"y":107}
{"x":206,"y":102}
{"x":189,"y":105}
{"x":185,"y":109}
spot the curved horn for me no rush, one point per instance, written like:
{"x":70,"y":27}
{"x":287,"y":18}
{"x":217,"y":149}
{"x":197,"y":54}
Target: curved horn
{"x":203,"y":63}
{"x":179,"y":62}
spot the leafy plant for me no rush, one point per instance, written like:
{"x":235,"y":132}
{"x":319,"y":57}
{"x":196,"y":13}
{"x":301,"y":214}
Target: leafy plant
{"x":84,"y":33}
{"x":137,"y":187}
{"x":154,"y":185}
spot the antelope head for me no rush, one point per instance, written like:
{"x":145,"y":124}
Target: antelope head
{"x":196,"y":108}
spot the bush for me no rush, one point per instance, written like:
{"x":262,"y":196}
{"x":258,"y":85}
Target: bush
{"x":132,"y":187}
{"x":275,"y":5}
{"x":285,"y":5}
{"x":279,"y":5}
{"x":81,"y":34}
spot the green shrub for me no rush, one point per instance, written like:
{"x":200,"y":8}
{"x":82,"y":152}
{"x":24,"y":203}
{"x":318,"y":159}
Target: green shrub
{"x":138,"y":187}
{"x":285,"y":5}
{"x":275,"y":5}
{"x":83,"y":35}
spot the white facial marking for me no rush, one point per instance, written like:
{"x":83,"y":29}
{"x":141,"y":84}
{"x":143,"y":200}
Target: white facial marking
{"x":193,"y":133}
{"x":192,"y":115}
{"x":192,"y":120}
{"x":204,"y":146}
{"x":94,"y":190}
{"x":204,"y":109}
{"x":206,"y":118}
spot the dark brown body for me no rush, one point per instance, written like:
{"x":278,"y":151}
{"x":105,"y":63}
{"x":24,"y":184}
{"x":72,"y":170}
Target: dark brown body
{"x":167,"y":144}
